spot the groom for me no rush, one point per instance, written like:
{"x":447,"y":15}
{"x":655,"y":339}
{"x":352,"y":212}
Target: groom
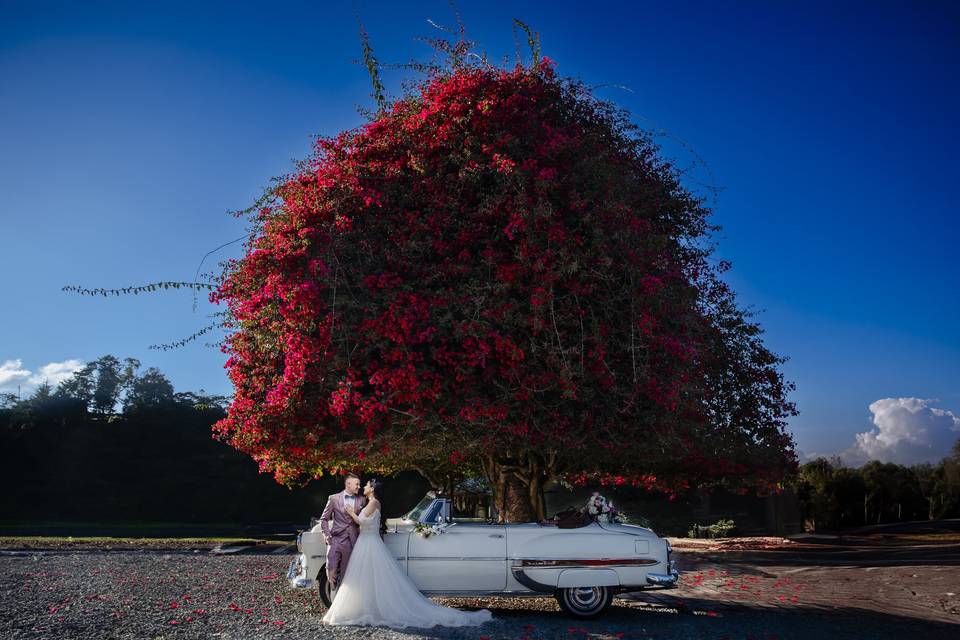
{"x":343,"y":534}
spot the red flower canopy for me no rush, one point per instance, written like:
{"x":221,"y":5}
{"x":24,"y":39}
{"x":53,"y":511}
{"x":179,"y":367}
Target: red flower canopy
{"x":498,"y":267}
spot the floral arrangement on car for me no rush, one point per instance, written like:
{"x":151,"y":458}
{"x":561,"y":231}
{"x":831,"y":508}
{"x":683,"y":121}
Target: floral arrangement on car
{"x":601,"y":510}
{"x":425,"y":530}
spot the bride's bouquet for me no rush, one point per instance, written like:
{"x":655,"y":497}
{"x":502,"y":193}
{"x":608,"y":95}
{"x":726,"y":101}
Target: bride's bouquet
{"x":425,"y":530}
{"x":601,"y":509}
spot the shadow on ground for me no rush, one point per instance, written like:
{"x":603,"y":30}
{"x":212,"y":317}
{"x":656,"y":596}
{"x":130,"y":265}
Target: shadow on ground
{"x":698,"y":618}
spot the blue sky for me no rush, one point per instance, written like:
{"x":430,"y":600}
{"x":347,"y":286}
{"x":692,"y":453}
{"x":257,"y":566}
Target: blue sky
{"x":128,"y":130}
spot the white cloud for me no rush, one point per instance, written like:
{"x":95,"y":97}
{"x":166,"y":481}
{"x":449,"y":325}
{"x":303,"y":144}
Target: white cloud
{"x":12,"y":374}
{"x":908,"y":431}
{"x":56,"y":372}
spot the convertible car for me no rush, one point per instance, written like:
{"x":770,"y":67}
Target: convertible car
{"x":582,"y":567}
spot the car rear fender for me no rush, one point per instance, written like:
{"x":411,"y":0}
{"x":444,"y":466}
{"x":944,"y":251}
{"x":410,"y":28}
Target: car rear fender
{"x":588,"y":578}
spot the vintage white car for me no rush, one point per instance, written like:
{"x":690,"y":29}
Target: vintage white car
{"x":582,"y":567}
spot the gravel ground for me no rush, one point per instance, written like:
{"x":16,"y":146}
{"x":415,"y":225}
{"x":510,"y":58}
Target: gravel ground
{"x":94,"y":594}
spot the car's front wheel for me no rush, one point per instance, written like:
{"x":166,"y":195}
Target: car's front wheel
{"x":585,"y":602}
{"x":323,"y":586}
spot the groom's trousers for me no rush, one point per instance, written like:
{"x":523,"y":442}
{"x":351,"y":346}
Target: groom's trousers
{"x":338,"y":555}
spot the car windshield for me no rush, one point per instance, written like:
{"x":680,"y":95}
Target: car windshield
{"x":414,"y":514}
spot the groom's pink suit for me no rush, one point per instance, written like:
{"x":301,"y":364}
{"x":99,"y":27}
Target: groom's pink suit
{"x":342,"y":535}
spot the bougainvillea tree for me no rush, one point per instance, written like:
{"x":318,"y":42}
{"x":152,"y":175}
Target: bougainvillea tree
{"x":498,"y":272}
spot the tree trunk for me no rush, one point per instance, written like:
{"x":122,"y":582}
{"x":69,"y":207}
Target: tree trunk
{"x":517,"y":479}
{"x":517,"y":505}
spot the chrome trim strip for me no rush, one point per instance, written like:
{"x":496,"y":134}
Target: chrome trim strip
{"x":526,"y":594}
{"x":531,"y":563}
{"x":548,"y":563}
{"x":578,"y":566}
{"x":517,"y":558}
{"x":484,"y":559}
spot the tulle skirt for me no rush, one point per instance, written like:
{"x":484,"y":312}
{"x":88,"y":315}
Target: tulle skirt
{"x":376,"y":592}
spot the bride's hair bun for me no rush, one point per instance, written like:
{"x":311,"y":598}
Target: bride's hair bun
{"x":377,"y":486}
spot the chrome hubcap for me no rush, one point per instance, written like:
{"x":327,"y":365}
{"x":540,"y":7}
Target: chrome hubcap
{"x":585,"y":598}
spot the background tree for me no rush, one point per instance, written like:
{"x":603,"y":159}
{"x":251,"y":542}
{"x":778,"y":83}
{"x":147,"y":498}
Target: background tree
{"x":80,"y":386}
{"x":930,"y":483}
{"x":816,"y":493}
{"x":833,"y":495}
{"x":8,"y":400}
{"x":202,"y":401}
{"x":99,"y":385}
{"x":879,"y":486}
{"x":849,"y":490}
{"x":41,"y":395}
{"x":60,"y":462}
{"x":107,"y":390}
{"x":950,"y":487}
{"x":152,"y":389}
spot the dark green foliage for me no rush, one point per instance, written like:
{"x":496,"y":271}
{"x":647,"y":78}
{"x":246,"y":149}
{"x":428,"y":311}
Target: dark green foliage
{"x":719,"y":529}
{"x":834,"y":496}
{"x":66,"y":455}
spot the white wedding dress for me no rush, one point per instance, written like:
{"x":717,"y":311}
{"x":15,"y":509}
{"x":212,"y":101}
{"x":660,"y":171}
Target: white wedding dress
{"x":375,"y":591}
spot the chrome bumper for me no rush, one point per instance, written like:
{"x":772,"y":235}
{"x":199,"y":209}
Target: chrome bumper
{"x":665,"y":580}
{"x":294,"y":571}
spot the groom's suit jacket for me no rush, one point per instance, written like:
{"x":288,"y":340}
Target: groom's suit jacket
{"x":343,"y":524}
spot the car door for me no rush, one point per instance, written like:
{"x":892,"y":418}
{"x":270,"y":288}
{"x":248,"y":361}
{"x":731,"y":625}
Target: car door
{"x":396,"y":541}
{"x":465,"y":557}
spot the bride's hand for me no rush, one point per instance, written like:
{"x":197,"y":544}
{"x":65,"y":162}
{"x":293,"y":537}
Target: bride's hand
{"x":350,"y":509}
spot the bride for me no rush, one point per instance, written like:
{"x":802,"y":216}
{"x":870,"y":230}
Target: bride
{"x":376,"y":591}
